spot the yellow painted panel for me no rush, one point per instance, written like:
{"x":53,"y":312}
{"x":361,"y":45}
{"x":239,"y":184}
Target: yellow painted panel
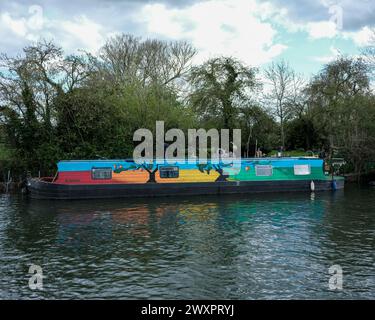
{"x":189,"y":176}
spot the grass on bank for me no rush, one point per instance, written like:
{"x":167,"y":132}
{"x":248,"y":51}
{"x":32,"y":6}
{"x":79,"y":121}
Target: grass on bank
{"x":293,"y":153}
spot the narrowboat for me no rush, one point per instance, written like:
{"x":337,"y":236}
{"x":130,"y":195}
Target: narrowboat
{"x":88,"y":179}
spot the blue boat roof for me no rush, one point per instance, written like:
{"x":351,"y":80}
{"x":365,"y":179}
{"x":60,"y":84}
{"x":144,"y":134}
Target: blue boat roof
{"x":242,"y":159}
{"x":84,"y":165}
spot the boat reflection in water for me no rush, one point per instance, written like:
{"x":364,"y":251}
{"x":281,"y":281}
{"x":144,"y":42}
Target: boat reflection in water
{"x":92,"y":224}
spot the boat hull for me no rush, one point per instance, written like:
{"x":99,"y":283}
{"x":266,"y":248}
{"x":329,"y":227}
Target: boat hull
{"x":40,"y":189}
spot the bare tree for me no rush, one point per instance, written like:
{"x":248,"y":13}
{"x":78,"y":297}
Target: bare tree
{"x":284,"y":90}
{"x":296,"y":104}
{"x":125,"y":58}
{"x":119,"y":58}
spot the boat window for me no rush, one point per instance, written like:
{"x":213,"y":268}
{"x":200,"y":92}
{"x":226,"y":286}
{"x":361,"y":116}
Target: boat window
{"x":302,"y":169}
{"x":263,"y":170}
{"x":101,"y":173}
{"x":169,"y":172}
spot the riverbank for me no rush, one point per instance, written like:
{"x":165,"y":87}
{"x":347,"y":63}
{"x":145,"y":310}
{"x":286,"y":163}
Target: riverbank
{"x":13,"y":187}
{"x":362,"y":179}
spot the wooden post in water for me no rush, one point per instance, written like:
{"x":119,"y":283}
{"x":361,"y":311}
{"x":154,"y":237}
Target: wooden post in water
{"x":7,"y":182}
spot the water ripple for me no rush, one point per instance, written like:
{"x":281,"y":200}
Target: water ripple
{"x":233,"y":247}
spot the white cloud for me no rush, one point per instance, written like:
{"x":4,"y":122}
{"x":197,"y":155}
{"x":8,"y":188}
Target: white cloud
{"x":85,"y":32}
{"x":71,"y":34}
{"x":315,"y":30}
{"x":227,"y":27}
{"x":24,"y":27}
{"x":321,"y":29}
{"x":17,"y":26}
{"x":362,"y":37}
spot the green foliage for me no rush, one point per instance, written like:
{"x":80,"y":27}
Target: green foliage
{"x":259,"y":130}
{"x":220,"y":87}
{"x":292,"y":153}
{"x":301,"y":133}
{"x":5,"y":153}
{"x":142,"y":106}
{"x":342,"y":109}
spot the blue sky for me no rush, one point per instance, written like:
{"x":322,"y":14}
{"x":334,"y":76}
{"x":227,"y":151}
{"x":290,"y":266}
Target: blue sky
{"x":307,"y":33}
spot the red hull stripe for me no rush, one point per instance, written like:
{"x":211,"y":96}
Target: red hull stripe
{"x":80,"y":177}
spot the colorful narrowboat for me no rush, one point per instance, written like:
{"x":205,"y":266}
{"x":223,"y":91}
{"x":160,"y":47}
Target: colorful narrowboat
{"x":85,"y":179}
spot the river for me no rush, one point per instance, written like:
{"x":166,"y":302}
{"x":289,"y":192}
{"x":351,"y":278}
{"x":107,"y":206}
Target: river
{"x":270,"y":246}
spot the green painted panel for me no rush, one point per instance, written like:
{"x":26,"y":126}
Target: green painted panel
{"x":278,"y":173}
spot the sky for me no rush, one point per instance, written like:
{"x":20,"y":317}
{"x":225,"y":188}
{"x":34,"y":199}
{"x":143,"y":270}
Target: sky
{"x":307,"y":33}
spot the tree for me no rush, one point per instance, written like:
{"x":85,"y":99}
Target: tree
{"x":259,"y":128}
{"x":284,"y":93}
{"x":125,"y":59}
{"x":219,"y":87}
{"x":340,"y":106}
{"x":357,"y":134}
{"x":331,"y":89}
{"x":301,"y":133}
{"x":29,"y":85}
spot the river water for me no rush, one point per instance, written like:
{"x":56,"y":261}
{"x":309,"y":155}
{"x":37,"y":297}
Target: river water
{"x":271,"y":246}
